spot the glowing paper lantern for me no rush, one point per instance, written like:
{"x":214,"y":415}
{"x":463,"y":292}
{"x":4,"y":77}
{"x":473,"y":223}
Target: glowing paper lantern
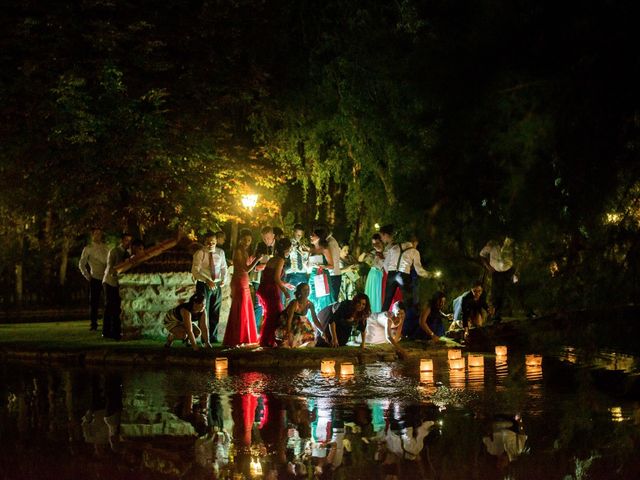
{"x":533,"y":360}
{"x":222,"y":363}
{"x":501,"y":351}
{"x":457,"y":364}
{"x":476,"y":361}
{"x":454,"y":353}
{"x":346,"y":368}
{"x":328,"y":367}
{"x":426,"y":365}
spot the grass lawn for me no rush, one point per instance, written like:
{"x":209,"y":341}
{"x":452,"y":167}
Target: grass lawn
{"x":74,"y":336}
{"x":64,"y":336}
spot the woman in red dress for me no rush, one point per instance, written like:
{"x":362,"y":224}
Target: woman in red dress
{"x":241,"y":327}
{"x":268,"y":293}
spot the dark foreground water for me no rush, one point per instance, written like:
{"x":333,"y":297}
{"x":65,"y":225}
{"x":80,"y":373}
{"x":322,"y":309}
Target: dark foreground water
{"x":502,"y":420}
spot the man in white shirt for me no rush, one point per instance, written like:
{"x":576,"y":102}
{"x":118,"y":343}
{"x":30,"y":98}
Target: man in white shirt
{"x":117,"y":255}
{"x":94,"y":256}
{"x":209,"y":270}
{"x":497,"y":258}
{"x":295,"y":264}
{"x":398,"y":260}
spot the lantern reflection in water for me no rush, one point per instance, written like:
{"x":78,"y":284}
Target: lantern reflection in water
{"x":255,"y":468}
{"x":426,"y":377}
{"x":457,"y":378}
{"x":346,"y":369}
{"x":533,"y":360}
{"x":457,"y":364}
{"x":426,"y":365}
{"x":454,"y":353}
{"x":476,"y":361}
{"x":534,"y":372}
{"x":475,"y":378}
{"x":328,"y":367}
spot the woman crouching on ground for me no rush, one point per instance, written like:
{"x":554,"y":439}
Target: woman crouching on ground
{"x":180,"y":322}
{"x":295,"y":329}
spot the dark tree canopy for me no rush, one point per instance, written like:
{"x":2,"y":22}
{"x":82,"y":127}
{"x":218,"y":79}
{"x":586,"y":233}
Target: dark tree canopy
{"x":460,"y":121}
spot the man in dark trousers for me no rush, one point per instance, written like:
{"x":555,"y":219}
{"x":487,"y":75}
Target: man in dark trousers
{"x":209,"y":270}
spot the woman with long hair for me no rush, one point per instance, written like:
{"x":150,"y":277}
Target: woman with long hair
{"x":241,"y":326}
{"x":346,"y":320}
{"x":433,"y":321}
{"x":373,"y":286}
{"x":296,"y":329}
{"x":321,"y":261}
{"x":268,"y":293}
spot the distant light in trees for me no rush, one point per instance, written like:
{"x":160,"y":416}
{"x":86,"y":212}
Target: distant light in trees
{"x":612,"y":218}
{"x":376,"y":226}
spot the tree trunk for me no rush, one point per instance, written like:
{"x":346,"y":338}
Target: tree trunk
{"x":64,"y":260}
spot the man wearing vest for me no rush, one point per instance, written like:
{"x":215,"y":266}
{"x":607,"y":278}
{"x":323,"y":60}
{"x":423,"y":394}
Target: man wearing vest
{"x":398,"y":260}
{"x":209,"y":270}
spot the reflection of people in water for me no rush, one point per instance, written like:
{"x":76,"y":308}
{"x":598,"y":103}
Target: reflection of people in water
{"x":101,"y":423}
{"x":507,"y":439}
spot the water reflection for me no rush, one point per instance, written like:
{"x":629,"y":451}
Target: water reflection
{"x":387,"y":421}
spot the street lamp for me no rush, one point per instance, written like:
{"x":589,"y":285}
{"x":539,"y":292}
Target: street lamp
{"x":249,"y":201}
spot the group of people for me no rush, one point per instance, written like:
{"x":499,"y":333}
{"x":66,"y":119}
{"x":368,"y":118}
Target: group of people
{"x":287,"y":292}
{"x":99,"y":265}
{"x":284,"y":293}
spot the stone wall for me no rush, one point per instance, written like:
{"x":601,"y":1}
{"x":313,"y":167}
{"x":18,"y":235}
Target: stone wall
{"x":147,"y":297}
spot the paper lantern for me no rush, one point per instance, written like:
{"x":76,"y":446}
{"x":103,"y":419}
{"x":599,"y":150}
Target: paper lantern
{"x":454,"y":353}
{"x":501,"y":351}
{"x":222,"y":363}
{"x":328,"y":367}
{"x":346,"y":368}
{"x":476,"y":361}
{"x":457,"y":364}
{"x":533,"y":360}
{"x":426,"y":365}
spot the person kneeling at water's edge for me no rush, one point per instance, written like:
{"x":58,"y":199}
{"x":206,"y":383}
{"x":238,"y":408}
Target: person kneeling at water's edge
{"x":180,"y":322}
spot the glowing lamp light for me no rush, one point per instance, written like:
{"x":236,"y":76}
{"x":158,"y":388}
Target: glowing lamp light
{"x":476,"y":361}
{"x":454,"y":353}
{"x":457,"y":363}
{"x":426,"y":365}
{"x":222,"y":364}
{"x":346,"y":369}
{"x":376,"y":226}
{"x":437,"y":273}
{"x":533,"y":360}
{"x":255,"y":468}
{"x":328,"y":367}
{"x":501,"y":351}
{"x":249,"y":201}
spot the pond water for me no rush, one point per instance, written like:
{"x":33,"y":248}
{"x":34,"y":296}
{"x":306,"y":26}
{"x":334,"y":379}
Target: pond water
{"x":504,"y":419}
